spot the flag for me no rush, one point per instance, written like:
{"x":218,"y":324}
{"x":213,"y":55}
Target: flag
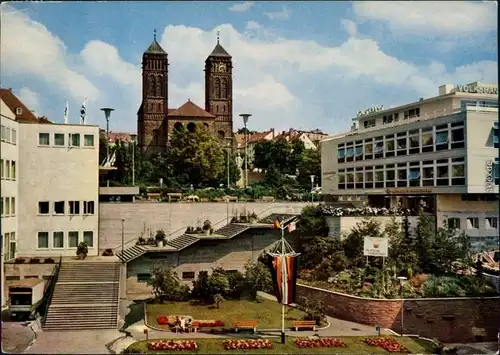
{"x":291,"y":227}
{"x":276,"y":223}
{"x":283,"y":267}
{"x":83,"y":111}
{"x":66,"y":112}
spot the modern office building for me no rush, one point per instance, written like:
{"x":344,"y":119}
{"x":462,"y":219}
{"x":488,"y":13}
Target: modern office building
{"x":50,"y":181}
{"x":442,"y":151}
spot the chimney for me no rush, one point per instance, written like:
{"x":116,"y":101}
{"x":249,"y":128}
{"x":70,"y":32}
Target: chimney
{"x":421,"y":99}
{"x":272,"y":131}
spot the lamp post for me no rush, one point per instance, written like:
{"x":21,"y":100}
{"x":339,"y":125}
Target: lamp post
{"x":312,"y":187}
{"x":402,"y":280}
{"x":229,"y":142}
{"x":107,"y":114}
{"x":133,"y":137}
{"x":123,"y":237}
{"x":245,"y":117}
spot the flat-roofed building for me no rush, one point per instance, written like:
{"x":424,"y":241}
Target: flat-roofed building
{"x":442,"y":151}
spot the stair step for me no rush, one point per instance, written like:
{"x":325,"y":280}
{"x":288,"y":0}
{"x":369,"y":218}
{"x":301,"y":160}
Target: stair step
{"x":71,"y":327}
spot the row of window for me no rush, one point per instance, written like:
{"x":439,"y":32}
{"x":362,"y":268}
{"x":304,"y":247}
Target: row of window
{"x":442,"y":172}
{"x":473,"y":223}
{"x":8,"y":169}
{"x":9,"y":135}
{"x":9,"y":246}
{"x":59,"y":140}
{"x":73,"y":207}
{"x":8,"y":206}
{"x":57,"y":240}
{"x":417,"y":141}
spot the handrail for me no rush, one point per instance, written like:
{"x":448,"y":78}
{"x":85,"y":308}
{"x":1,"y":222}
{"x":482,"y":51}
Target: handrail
{"x":54,"y":276}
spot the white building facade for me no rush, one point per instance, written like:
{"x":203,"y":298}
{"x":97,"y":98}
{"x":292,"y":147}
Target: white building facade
{"x":58,"y":189}
{"x":442,"y":151}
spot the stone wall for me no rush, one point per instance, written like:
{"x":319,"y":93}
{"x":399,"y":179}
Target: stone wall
{"x":450,"y":320}
{"x":230,"y":254}
{"x":173,"y":218}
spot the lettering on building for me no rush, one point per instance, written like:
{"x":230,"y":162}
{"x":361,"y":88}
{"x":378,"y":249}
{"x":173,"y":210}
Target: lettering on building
{"x":370,"y":110}
{"x":489,"y":177}
{"x":477,"y":89}
{"x":409,"y":191}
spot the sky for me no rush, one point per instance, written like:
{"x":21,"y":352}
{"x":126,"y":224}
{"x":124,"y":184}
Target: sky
{"x":302,"y":65}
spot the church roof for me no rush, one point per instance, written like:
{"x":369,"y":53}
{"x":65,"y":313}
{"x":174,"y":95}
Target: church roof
{"x":219,"y":51}
{"x":190,"y":109}
{"x":155,"y":48}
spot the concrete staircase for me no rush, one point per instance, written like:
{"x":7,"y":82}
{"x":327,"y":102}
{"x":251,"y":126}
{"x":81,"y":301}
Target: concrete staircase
{"x":131,"y":253}
{"x":86,"y":296}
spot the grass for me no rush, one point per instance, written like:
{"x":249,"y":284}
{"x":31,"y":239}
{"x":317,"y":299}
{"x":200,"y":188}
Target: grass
{"x":355,"y":345}
{"x":266,"y":312}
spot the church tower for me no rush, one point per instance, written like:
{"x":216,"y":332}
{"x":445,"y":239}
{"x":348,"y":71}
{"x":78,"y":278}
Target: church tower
{"x":219,"y":91}
{"x":152,"y":114}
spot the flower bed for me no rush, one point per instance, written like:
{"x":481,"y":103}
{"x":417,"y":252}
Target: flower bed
{"x":388,"y":344}
{"x":247,"y":344}
{"x":162,"y":320}
{"x":320,"y":343}
{"x":173,"y":345}
{"x":364,"y":211}
{"x":208,"y":323}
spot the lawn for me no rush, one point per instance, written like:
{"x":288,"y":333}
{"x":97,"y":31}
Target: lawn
{"x":355,"y":345}
{"x":266,"y":312}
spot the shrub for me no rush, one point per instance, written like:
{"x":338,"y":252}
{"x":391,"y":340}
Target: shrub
{"x":160,"y":236}
{"x":48,"y":261}
{"x":133,"y":349}
{"x":82,"y":250}
{"x":34,"y":261}
{"x":108,"y":252}
{"x":207,"y":225}
{"x":19,"y":260}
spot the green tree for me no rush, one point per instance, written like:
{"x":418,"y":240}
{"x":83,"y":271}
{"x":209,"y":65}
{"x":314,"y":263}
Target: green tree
{"x":281,"y":156}
{"x":200,"y":286}
{"x":103,"y":145}
{"x":309,"y":165}
{"x":273,"y":177}
{"x":257,"y":278}
{"x":312,"y":222}
{"x":424,"y":235}
{"x":353,"y":243}
{"x":402,"y":254}
{"x":297,"y":150}
{"x":165,"y":283}
{"x":196,"y":156}
{"x":234,"y":172}
{"x":218,"y":283}
{"x":262,"y":154}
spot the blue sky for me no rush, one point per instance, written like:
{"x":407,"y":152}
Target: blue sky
{"x":297,"y":64}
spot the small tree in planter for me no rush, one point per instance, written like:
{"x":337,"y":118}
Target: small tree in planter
{"x":218,"y":299}
{"x":207,"y":227}
{"x":82,"y":250}
{"x":19,"y":260}
{"x":253,"y":217}
{"x":160,"y":237}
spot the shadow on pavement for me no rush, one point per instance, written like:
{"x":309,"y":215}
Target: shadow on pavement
{"x":135,"y":314}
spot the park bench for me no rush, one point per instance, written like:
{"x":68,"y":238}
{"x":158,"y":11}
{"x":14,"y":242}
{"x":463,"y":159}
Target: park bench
{"x":267,"y":198}
{"x":153,"y":196}
{"x":247,"y":324}
{"x":195,"y":326}
{"x":230,"y":198}
{"x":302,"y":324}
{"x":174,"y":196}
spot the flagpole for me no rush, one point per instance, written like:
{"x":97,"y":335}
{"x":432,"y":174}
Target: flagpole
{"x":283,"y":284}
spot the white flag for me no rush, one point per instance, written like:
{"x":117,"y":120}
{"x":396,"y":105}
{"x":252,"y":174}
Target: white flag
{"x":83,"y":112}
{"x":66,"y":112}
{"x":291,"y":227}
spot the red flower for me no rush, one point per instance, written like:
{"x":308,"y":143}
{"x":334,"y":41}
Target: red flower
{"x":319,"y":343}
{"x":162,"y":320}
{"x":388,"y":344}
{"x":247,"y":344}
{"x":173,"y":345}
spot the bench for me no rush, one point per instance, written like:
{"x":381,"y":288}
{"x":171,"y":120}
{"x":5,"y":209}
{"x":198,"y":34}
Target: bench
{"x":153,"y":195}
{"x":248,"y":324}
{"x":174,"y":196}
{"x":267,"y":198}
{"x":304,"y":324}
{"x":195,"y":326}
{"x":230,"y":198}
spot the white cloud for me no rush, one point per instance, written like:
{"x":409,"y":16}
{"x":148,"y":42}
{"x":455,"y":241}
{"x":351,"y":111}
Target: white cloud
{"x":241,"y":7}
{"x":28,"y":48}
{"x":350,"y":27}
{"x":282,"y":82}
{"x":455,"y":18}
{"x":31,"y":99}
{"x":279,"y":15}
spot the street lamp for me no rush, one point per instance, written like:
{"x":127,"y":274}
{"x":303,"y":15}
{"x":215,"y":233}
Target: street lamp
{"x":133,"y":137}
{"x":245,"y":117}
{"x":123,"y":239}
{"x":229,"y":142}
{"x":402,"y":280}
{"x":312,"y":187}
{"x":107,"y":114}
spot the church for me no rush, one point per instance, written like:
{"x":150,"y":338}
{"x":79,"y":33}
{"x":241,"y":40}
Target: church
{"x":156,"y":120}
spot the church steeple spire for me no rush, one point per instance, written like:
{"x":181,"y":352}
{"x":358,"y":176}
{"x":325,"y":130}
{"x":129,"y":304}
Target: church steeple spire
{"x":155,"y":47}
{"x":154,"y":35}
{"x":219,"y":51}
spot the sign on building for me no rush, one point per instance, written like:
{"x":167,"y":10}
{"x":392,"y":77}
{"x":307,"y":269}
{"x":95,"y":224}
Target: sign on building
{"x":370,"y":110}
{"x":477,"y":89}
{"x":376,"y":247}
{"x":489,"y":176}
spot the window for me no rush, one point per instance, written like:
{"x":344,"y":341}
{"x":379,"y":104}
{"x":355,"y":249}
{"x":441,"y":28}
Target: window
{"x":442,"y":140}
{"x":88,"y":207}
{"x":1,"y":206}
{"x":144,"y":278}
{"x":13,"y":206}
{"x":349,"y":154}
{"x":341,"y":155}
{"x":7,"y":169}
{"x":59,"y":207}
{"x":350,"y":180}
{"x":59,"y":139}
{"x":428,"y":176}
{"x":458,"y":174}
{"x":453,"y":223}
{"x":88,"y":140}
{"x":457,"y":138}
{"x":7,"y":133}
{"x":472,"y":223}
{"x":359,"y":179}
{"x":43,"y":207}
{"x":7,"y":206}
{"x":188,"y":275}
{"x":73,"y":239}
{"x":368,"y":149}
{"x":1,"y":168}
{"x":14,"y":136}
{"x":414,"y":176}
{"x":19,"y":111}
{"x":390,"y":177}
{"x":341,"y":182}
{"x":12,"y":246}
{"x":13,"y":170}
{"x":74,"y":139}
{"x":3,"y":133}
{"x":58,"y":241}
{"x":427,"y":141}
{"x":414,"y":144}
{"x":389,"y":148}
{"x":88,"y":237}
{"x":491,"y":222}
{"x":379,"y":179}
{"x":402,"y":178}
{"x":43,"y":240}
{"x":43,"y":139}
{"x":74,"y":207}
{"x":378,"y":150}
{"x":442,"y":175}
